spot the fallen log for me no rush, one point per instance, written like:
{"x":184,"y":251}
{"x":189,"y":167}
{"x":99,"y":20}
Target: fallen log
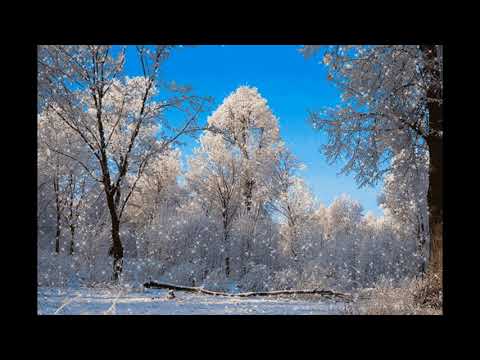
{"x":322,"y":292}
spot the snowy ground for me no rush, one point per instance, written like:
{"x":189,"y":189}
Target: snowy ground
{"x":87,"y":301}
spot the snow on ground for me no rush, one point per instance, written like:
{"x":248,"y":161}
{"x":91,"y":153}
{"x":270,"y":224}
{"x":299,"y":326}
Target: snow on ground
{"x":124,"y":301}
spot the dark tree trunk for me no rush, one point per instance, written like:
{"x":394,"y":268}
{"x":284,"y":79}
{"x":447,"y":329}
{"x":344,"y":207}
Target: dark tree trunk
{"x":227,"y":266}
{"x":57,"y":235}
{"x":435,"y":201}
{"x":246,"y":255}
{"x":111,"y":192}
{"x":72,"y":241}
{"x":435,"y":145}
{"x":248,"y":193}
{"x":58,"y":215}
{"x":116,"y":249}
{"x":71,"y":216}
{"x":226,"y":225}
{"x":421,"y":246}
{"x":293,"y":237}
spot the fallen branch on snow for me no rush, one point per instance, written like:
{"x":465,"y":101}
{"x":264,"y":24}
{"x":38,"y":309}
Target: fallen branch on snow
{"x":323,"y":292}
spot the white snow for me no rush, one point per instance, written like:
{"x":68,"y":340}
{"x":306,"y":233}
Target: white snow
{"x":125,"y":301}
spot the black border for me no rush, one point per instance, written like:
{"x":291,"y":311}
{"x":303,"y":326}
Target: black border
{"x":213,"y":35}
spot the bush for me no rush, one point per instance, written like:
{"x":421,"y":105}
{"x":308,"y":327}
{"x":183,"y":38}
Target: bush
{"x":313,"y":276}
{"x":286,"y":279}
{"x":258,"y":278}
{"x":139,"y":271}
{"x":64,"y":270}
{"x":411,"y":297}
{"x":428,"y":291}
{"x":185,"y":274}
{"x":216,"y":280}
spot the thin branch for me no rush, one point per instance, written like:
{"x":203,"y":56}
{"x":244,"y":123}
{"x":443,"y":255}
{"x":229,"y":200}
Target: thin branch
{"x":75,"y":159}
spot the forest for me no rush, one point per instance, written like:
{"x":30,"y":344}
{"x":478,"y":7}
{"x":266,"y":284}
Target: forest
{"x":119,"y":213}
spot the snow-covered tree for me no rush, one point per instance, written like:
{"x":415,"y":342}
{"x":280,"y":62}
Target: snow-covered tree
{"x":249,"y":130}
{"x":67,"y":178}
{"x":392,"y":102}
{"x":121,"y":120}
{"x":231,"y":170}
{"x":215,"y":178}
{"x":293,"y":201}
{"x":157,"y":187}
{"x":345,"y":216}
{"x":404,"y":197}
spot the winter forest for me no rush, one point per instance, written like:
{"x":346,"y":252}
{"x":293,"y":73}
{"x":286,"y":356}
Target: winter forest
{"x":130,"y":223}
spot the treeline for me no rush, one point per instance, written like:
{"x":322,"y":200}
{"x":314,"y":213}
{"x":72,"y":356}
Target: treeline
{"x":111,"y":190}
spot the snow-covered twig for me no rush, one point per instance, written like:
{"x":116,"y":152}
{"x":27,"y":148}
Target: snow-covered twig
{"x":65,"y":304}
{"x":112,"y":308}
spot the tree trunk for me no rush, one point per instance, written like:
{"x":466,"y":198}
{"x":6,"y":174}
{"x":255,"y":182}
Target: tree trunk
{"x":421,"y":246}
{"x":71,"y":217}
{"x":435,"y":145}
{"x":111,"y":192}
{"x":58,"y":211}
{"x":226,"y":225}
{"x":248,"y":193}
{"x":57,"y":234}
{"x":116,"y":249}
{"x":227,"y":266}
{"x":292,"y":241}
{"x":435,"y":202}
{"x":246,"y":255}
{"x":72,"y":242}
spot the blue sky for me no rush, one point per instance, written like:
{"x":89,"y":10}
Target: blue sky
{"x":291,"y":84}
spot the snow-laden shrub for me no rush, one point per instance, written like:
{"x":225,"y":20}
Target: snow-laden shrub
{"x":398,"y":298}
{"x":97,"y":269}
{"x":217,"y":280}
{"x":285,"y":279}
{"x":313,"y":276}
{"x":428,"y":291}
{"x":258,"y":278}
{"x":54,"y":269}
{"x":64,"y":270}
{"x":139,"y":271}
{"x":186,"y":274}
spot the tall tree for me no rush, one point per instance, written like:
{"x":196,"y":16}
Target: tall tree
{"x":392,"y":102}
{"x":215,"y":178}
{"x":155,"y":195}
{"x":65,"y":175}
{"x":249,"y":127}
{"x":404,"y":197}
{"x":121,"y":120}
{"x":345,"y":217}
{"x":236,"y":160}
{"x":291,"y":199}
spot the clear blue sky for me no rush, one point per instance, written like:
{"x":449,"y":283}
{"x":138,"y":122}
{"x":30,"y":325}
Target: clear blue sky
{"x":291,"y":84}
